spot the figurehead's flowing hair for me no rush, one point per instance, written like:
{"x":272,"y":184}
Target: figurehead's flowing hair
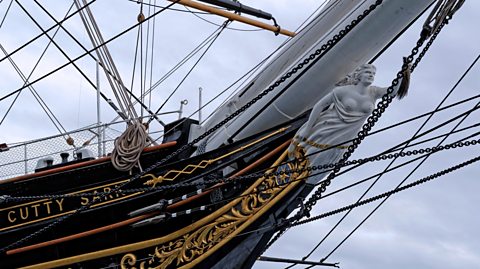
{"x":354,"y":77}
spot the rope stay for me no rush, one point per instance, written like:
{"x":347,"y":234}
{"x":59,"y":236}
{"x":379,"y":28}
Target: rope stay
{"x":392,"y":162}
{"x":320,"y":168}
{"x":311,"y":59}
{"x":307,"y":206}
{"x":137,"y":176}
{"x":404,"y":180}
{"x":219,"y":31}
{"x":389,"y":193}
{"x":105,"y":59}
{"x":41,"y":34}
{"x":443,"y":10}
{"x":25,"y":79}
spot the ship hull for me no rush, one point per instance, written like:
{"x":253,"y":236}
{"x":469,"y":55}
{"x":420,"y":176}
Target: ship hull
{"x":102,"y":234}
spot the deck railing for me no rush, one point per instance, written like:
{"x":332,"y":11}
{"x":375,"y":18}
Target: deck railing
{"x":21,"y":158}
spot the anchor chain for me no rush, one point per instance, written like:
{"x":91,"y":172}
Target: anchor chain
{"x":386,"y":194}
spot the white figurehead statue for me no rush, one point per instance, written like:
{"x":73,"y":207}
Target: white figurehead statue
{"x":339,"y":116}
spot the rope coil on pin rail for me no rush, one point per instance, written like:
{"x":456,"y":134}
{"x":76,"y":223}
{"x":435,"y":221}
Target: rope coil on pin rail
{"x":311,"y":59}
{"x":452,"y":7}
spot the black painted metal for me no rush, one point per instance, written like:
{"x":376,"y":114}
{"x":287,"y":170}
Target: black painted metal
{"x":237,"y":6}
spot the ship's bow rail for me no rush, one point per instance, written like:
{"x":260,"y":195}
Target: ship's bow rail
{"x":21,"y":158}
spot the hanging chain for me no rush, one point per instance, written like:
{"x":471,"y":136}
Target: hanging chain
{"x":321,"y":168}
{"x":376,"y":114}
{"x":427,"y":46}
{"x":387,"y":194}
{"x":312,"y":58}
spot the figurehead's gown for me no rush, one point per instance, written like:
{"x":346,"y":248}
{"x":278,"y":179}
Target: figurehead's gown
{"x":334,"y":127}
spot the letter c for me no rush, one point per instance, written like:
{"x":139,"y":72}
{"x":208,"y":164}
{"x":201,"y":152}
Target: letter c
{"x":10,"y":218}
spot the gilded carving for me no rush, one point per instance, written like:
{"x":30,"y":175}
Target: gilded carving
{"x":129,"y":260}
{"x":199,"y":243}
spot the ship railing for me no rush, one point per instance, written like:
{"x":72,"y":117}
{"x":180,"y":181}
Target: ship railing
{"x":21,"y":158}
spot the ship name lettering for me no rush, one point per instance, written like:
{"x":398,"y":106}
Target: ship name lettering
{"x":35,"y":211}
{"x":86,"y":200}
{"x":50,"y":208}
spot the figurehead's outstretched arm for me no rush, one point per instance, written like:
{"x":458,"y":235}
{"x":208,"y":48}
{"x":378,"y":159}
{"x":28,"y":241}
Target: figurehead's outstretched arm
{"x":400,"y":90}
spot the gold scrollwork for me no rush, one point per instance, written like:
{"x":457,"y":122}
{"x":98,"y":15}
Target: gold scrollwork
{"x":129,"y":260}
{"x":193,"y":246}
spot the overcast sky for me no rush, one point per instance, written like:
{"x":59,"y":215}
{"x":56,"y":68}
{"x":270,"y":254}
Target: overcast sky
{"x":431,"y":226}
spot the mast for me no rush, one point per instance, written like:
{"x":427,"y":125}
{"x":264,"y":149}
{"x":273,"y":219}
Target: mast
{"x":99,"y":121}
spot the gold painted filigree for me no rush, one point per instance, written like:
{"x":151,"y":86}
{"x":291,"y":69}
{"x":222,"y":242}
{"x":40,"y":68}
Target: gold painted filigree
{"x":128,"y":261}
{"x":191,"y":168}
{"x":192,"y":247}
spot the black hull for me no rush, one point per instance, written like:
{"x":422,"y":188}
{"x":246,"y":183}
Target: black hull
{"x":99,"y":249}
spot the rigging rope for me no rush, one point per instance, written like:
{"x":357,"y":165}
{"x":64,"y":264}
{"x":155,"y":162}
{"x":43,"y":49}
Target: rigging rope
{"x":389,"y":193}
{"x":321,"y":168}
{"x":371,"y":199}
{"x":404,"y":147}
{"x":306,"y":63}
{"x":193,"y":67}
{"x":169,"y":8}
{"x":6,"y":12}
{"x":425,"y":158}
{"x":171,"y":71}
{"x":46,"y":31}
{"x":319,"y":52}
{"x":145,"y":68}
{"x":378,"y":111}
{"x":219,"y":25}
{"x":88,"y":52}
{"x":398,"y":187}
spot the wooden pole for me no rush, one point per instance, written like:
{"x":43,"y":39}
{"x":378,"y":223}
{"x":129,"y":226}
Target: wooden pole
{"x":234,"y":17}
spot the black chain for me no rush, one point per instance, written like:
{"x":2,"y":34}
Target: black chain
{"x":321,"y":168}
{"x":427,"y":46}
{"x":319,"y":52}
{"x":376,"y":114}
{"x":387,"y":194}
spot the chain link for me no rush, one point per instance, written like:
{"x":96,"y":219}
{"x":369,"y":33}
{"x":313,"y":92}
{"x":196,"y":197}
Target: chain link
{"x":427,"y":46}
{"x":386,"y":194}
{"x":321,"y":168}
{"x":312,"y":58}
{"x":376,"y":114}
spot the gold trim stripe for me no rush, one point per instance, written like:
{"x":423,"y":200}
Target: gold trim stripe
{"x":68,"y":212}
{"x":160,"y":240}
{"x":189,"y":169}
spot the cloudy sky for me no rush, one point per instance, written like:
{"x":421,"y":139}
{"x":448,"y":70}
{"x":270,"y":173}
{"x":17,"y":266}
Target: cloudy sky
{"x":432,"y":226}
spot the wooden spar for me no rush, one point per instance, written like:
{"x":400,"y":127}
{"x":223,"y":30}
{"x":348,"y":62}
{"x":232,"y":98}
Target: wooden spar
{"x":233,"y":16}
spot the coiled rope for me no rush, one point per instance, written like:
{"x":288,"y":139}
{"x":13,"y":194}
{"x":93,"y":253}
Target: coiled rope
{"x":129,"y":147}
